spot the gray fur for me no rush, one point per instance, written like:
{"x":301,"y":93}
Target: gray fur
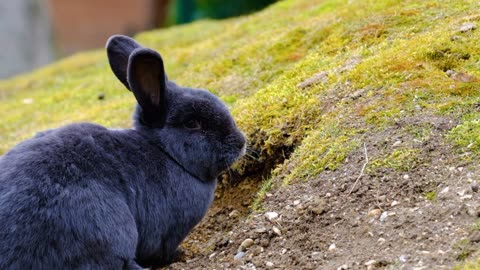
{"x":86,"y":197}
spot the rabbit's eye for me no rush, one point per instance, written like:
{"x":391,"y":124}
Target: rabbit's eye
{"x":192,"y":124}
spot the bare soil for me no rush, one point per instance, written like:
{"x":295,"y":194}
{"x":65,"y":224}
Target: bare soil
{"x":420,"y":218}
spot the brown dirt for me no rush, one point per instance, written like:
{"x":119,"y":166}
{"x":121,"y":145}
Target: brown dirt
{"x":422,"y":218}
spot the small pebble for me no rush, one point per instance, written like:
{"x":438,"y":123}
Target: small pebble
{"x":445,"y":190}
{"x":468,"y":26}
{"x":384,"y":216}
{"x":27,"y":101}
{"x":300,"y":206}
{"x":403,"y":258}
{"x":269,"y":264}
{"x":475,"y":237}
{"x":296,"y":202}
{"x":234,"y":214}
{"x":239,"y":255}
{"x":342,"y":267}
{"x":332,"y":247}
{"x":264,"y":242}
{"x":319,"y":208}
{"x":370,"y":263}
{"x":394,"y":203}
{"x":406,"y":177}
{"x":260,"y":230}
{"x":474,"y":186}
{"x":316,"y":78}
{"x":246,"y":244}
{"x":212,"y":255}
{"x":271,"y":215}
{"x":474,"y":211}
{"x":374,"y":212}
{"x":461,"y":77}
{"x":276,"y":231}
{"x":316,"y":256}
{"x":257,"y":250}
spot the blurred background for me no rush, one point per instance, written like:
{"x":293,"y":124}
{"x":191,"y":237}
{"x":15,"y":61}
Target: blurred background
{"x":36,"y":32}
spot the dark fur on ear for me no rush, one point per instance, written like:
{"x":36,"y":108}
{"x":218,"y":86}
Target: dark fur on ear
{"x":119,"y":49}
{"x":146,"y":77}
{"x":86,"y":197}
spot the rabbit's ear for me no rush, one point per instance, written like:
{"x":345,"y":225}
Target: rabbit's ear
{"x":119,"y":49}
{"x":147,"y":80}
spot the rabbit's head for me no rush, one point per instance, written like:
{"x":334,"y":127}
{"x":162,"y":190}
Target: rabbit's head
{"x":191,"y":125}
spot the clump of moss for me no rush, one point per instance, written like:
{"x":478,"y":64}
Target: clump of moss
{"x":402,"y":159}
{"x":464,"y":249}
{"x":467,"y":134}
{"x":323,"y":149}
{"x":471,"y":265}
{"x":431,"y":195}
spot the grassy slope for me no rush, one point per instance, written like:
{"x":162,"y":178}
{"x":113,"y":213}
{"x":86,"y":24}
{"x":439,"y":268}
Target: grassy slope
{"x":384,"y":60}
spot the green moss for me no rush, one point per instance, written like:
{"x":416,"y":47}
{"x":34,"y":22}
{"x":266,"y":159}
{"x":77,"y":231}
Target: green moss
{"x":464,"y":249}
{"x":471,"y":265}
{"x":402,"y":159}
{"x":323,"y":149}
{"x":431,"y":195}
{"x":476,"y":225}
{"x":420,"y":133}
{"x":467,"y":134}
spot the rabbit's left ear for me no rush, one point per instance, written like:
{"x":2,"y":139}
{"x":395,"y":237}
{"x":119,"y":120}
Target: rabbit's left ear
{"x":147,"y":80}
{"x":119,"y":49}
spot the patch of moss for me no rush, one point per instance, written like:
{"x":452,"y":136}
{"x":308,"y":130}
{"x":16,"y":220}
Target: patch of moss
{"x":464,"y":249}
{"x":471,"y":265}
{"x":420,"y":133}
{"x":431,"y":195}
{"x":401,"y":159}
{"x":467,"y":134}
{"x":322,"y":149}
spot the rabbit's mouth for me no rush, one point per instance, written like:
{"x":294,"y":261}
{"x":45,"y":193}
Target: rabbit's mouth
{"x":243,"y":151}
{"x":231,"y":157}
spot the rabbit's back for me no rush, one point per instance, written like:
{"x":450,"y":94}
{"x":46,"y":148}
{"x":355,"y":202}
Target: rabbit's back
{"x":78,"y":194}
{"x":56,"y":206}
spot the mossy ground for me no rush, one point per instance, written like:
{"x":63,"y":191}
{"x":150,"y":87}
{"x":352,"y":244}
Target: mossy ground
{"x":382,"y":61}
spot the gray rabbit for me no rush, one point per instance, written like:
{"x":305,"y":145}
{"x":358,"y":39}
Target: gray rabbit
{"x":86,"y":197}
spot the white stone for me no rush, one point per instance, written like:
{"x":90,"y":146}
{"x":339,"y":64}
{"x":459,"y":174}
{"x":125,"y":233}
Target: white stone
{"x":276,"y":231}
{"x":383,"y":216}
{"x":271,"y":215}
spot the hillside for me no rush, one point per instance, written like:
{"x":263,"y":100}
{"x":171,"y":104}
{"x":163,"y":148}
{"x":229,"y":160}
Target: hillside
{"x":363,"y":121}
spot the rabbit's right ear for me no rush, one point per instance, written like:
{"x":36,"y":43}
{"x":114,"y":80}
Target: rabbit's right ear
{"x":119,"y":49}
{"x":147,"y":79}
